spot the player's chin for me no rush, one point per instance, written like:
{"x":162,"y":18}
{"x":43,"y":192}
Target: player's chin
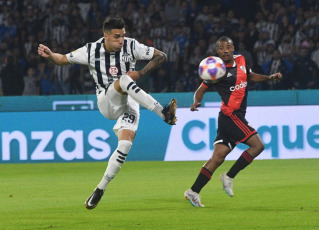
{"x":118,"y":49}
{"x":226,"y":58}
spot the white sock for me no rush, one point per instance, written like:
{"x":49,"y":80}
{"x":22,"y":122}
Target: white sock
{"x":140,"y":96}
{"x":115,"y":162}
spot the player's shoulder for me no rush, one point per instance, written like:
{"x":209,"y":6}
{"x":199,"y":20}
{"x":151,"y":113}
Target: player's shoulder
{"x":238,"y":56}
{"x":100,"y":40}
{"x":129,"y":39}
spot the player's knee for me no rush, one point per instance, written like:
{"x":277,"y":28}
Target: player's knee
{"x":119,"y":155}
{"x":261,"y":147}
{"x":218,"y":159}
{"x":126,"y":82}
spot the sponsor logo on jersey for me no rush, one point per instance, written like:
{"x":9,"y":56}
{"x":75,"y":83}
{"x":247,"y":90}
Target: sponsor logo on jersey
{"x":243,"y":68}
{"x":127,"y":57}
{"x":229,"y":74}
{"x":113,"y":70}
{"x":239,"y":86}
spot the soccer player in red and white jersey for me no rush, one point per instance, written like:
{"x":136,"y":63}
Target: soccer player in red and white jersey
{"x":111,"y":61}
{"x":233,"y":128}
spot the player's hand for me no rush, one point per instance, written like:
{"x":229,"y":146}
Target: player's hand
{"x":134,"y":75}
{"x":44,"y":51}
{"x":275,"y":76}
{"x":195,"y":105}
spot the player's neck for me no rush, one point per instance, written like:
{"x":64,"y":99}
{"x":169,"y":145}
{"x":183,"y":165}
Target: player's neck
{"x":108,"y":49}
{"x":229,"y":63}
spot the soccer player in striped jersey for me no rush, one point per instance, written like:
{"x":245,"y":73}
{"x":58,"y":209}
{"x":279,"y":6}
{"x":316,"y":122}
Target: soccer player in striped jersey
{"x":111,"y":61}
{"x":233,"y":128}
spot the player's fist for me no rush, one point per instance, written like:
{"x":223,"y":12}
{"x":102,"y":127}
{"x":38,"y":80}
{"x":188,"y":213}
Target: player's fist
{"x":275,"y":76}
{"x":44,"y":51}
{"x":195,"y":105}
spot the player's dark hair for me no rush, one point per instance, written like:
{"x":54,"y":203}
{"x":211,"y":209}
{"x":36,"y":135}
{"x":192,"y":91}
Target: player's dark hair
{"x":113,"y":23}
{"x":224,"y":39}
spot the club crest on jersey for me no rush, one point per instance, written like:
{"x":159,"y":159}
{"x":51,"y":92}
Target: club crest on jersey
{"x":126,"y":57}
{"x":243,"y":68}
{"x":113,"y":70}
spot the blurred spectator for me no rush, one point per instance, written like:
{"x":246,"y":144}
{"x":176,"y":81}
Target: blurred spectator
{"x":275,"y":65}
{"x":31,"y":83}
{"x":211,"y":51}
{"x":195,"y":58}
{"x":315,"y":54}
{"x":192,"y":11}
{"x":158,"y":34}
{"x":183,"y":42}
{"x":260,"y":48}
{"x":43,"y":74}
{"x":76,"y":76}
{"x":59,"y":31}
{"x":172,"y":12}
{"x":187,"y":78}
{"x":12,"y":78}
{"x":171,"y":48}
{"x":272,"y":27}
{"x":195,"y":23}
{"x":285,"y":47}
{"x":248,"y":56}
{"x":305,"y":71}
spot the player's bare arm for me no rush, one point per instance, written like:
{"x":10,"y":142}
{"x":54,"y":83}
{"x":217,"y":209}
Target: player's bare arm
{"x":158,"y":59}
{"x":56,"y":58}
{"x":198,"y":96}
{"x":255,"y":77}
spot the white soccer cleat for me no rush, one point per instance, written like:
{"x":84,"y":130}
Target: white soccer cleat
{"x":227,"y":184}
{"x":193,"y":198}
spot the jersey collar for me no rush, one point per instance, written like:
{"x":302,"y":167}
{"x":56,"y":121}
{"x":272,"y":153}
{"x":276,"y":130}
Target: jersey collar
{"x":234,"y":64}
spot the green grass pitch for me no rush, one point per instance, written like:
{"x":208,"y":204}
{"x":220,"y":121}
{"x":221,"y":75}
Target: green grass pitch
{"x":269,"y":194}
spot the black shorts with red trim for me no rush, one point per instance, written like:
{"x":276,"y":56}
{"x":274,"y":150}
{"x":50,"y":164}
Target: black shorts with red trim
{"x":233,"y":130}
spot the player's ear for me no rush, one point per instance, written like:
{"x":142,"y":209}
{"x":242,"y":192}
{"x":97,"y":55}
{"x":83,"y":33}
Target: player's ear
{"x":105,"y":35}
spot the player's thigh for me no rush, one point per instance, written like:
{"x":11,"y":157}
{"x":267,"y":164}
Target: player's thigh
{"x":111,"y":103}
{"x":130,"y":117}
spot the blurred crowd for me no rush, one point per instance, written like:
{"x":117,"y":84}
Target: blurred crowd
{"x":278,"y":35}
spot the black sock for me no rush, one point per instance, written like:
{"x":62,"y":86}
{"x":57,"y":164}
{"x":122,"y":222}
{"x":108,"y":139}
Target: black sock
{"x":243,"y":161}
{"x":202,"y":179}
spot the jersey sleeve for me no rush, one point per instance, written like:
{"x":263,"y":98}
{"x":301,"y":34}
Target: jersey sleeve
{"x":142,"y":52}
{"x":79,"y":56}
{"x":206,"y":84}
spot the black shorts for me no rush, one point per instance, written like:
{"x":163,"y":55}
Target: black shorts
{"x":233,"y":129}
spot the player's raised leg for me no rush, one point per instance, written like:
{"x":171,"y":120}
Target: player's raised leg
{"x":127,"y":85}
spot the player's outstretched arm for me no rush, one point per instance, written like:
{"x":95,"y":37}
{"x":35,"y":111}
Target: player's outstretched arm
{"x":158,"y":59}
{"x":198,"y":96}
{"x":56,"y":58}
{"x":255,"y":77}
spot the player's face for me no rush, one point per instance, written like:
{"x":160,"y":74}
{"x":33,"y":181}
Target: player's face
{"x":225,"y":50}
{"x":114,"y":40}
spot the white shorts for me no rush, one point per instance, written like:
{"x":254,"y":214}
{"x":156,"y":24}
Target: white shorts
{"x":116,"y":106}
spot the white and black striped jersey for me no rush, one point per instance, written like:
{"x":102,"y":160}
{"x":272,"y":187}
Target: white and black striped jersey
{"x":106,"y":67}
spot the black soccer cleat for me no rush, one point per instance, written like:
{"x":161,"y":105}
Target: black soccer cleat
{"x":94,"y":199}
{"x":169,"y":112}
